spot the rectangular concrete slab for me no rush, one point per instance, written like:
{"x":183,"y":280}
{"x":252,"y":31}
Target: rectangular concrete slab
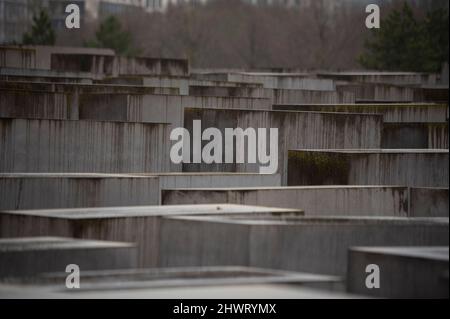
{"x":404,"y":272}
{"x":309,"y":244}
{"x":157,"y":108}
{"x":33,"y":145}
{"x":71,"y":190}
{"x":290,"y":81}
{"x":295,"y":130}
{"x":276,"y":96}
{"x":30,"y":256}
{"x":414,"y":168}
{"x":256,"y":291}
{"x":324,"y":200}
{"x":415,"y":135}
{"x":187,"y":277}
{"x":392,"y":113}
{"x":139,"y":224}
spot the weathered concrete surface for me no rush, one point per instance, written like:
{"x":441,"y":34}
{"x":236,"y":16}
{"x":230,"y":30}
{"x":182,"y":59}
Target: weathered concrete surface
{"x":428,"y":202}
{"x":80,"y":88}
{"x":189,"y":277}
{"x":58,"y":190}
{"x":83,"y":146}
{"x":314,"y":200}
{"x":139,"y":224}
{"x":414,"y":168}
{"x":233,"y":291}
{"x":38,"y":191}
{"x":324,"y":200}
{"x":405,"y":272}
{"x":378,"y":92}
{"x":16,"y":57}
{"x":434,"y":93}
{"x":99,"y":62}
{"x":415,"y":135}
{"x":310,"y":244}
{"x":277,"y":96}
{"x":39,"y":75}
{"x":295,"y":130}
{"x":30,"y":256}
{"x":392,"y":113}
{"x":396,"y":78}
{"x":182,"y":83}
{"x":57,"y":100}
{"x":36,"y":104}
{"x":157,"y":108}
{"x":151,"y":66}
{"x":289,"y":81}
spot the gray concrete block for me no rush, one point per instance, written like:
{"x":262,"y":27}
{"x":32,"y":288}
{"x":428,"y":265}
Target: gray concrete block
{"x":157,"y":278}
{"x":157,"y":108}
{"x":276,"y":96}
{"x":378,"y":92}
{"x":46,"y":100}
{"x":39,"y":75}
{"x":392,"y":113}
{"x":233,"y":291}
{"x":404,"y":272}
{"x":289,"y":81}
{"x":139,"y":224}
{"x":383,"y":77}
{"x":83,"y":146}
{"x":295,"y":130}
{"x":324,"y":200}
{"x":415,"y":135}
{"x":25,"y":257}
{"x":36,"y":104}
{"x":428,"y":202}
{"x":72,"y":190}
{"x":314,"y":200}
{"x":309,"y":244}
{"x":414,"y":168}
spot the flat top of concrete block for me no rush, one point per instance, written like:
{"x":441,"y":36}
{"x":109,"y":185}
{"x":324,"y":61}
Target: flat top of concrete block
{"x":256,"y":291}
{"x":54,"y":243}
{"x":187,"y":276}
{"x":425,"y":252}
{"x":314,"y":221}
{"x":148,"y":211}
{"x":124,"y":175}
{"x":375,"y":151}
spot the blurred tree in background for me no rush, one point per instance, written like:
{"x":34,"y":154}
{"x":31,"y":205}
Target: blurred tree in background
{"x":42,"y":32}
{"x":406,"y":43}
{"x":110,"y":35}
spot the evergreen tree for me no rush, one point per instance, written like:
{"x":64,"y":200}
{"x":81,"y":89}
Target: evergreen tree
{"x":110,"y":35}
{"x":404,"y":43}
{"x":42,"y":32}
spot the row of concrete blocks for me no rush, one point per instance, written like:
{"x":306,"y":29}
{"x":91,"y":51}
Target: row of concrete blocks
{"x":99,"y":63}
{"x":105,"y":266}
{"x":404,"y":126}
{"x":219,"y":235}
{"x":18,"y":97}
{"x":43,"y":191}
{"x":113,"y":147}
